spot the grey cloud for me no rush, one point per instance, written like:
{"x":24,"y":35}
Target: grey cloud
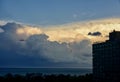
{"x":10,"y":30}
{"x":61,"y":52}
{"x":95,"y":33}
{"x":1,"y":30}
{"x":39,"y":50}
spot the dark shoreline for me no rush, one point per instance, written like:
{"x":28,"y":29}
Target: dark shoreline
{"x":46,"y":71}
{"x":39,"y":77}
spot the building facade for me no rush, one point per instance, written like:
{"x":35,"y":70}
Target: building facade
{"x":106,"y":59}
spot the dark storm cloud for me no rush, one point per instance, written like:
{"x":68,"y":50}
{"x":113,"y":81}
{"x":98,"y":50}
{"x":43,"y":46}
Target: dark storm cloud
{"x":59,"y":52}
{"x":95,"y":33}
{"x":38,"y":51}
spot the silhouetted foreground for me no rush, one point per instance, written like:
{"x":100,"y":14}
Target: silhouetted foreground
{"x":45,"y":78}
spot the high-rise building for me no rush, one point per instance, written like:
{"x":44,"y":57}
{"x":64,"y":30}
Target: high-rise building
{"x":106,"y":59}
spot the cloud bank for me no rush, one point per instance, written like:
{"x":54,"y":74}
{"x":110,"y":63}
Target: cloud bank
{"x":61,"y":45}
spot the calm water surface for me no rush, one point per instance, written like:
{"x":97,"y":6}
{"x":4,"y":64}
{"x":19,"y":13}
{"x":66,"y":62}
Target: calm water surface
{"x":71,"y":71}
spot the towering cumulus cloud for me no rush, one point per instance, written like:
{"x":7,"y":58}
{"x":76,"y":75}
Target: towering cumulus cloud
{"x":60,"y":52}
{"x":61,"y":45}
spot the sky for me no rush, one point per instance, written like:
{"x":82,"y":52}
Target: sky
{"x":52,"y":12}
{"x":54,"y":33}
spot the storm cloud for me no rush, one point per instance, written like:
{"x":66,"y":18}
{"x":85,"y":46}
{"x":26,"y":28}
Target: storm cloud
{"x":60,"y":52}
{"x":38,"y":50}
{"x":67,"y":45}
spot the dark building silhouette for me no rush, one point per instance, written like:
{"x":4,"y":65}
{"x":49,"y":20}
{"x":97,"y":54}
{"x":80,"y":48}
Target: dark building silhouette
{"x":106,"y":59}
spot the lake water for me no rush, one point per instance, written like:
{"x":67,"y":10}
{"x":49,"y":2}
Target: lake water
{"x":23,"y":71}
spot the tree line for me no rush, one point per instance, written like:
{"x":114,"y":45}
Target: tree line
{"x":34,"y":77}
